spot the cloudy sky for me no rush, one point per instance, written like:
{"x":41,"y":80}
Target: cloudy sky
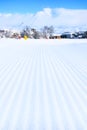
{"x":18,"y":13}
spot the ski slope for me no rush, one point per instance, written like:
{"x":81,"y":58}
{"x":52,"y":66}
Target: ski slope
{"x":43,"y":84}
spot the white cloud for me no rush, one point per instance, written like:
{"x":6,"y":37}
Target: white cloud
{"x":48,"y":16}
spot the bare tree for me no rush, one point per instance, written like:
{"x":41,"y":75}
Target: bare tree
{"x":51,"y":30}
{"x":26,"y":31}
{"x":36,"y":35}
{"x":47,"y":31}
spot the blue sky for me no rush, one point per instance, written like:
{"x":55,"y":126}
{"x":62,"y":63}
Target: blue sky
{"x":32,"y":6}
{"x":38,"y":13}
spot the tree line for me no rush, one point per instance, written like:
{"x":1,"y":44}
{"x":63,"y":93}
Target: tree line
{"x":44,"y":32}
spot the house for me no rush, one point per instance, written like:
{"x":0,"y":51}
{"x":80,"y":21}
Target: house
{"x":55,"y":36}
{"x":67,"y":35}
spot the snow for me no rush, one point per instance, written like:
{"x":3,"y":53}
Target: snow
{"x":43,"y":84}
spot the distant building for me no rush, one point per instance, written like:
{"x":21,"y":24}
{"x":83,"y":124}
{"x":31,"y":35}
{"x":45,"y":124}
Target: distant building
{"x":67,"y":35}
{"x":81,"y":34}
{"x":55,"y":36}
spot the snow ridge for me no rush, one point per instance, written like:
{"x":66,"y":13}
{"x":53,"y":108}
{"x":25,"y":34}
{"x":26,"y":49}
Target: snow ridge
{"x":43,"y":86}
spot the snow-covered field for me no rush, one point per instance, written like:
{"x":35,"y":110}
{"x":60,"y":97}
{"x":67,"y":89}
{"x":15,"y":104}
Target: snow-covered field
{"x":43,"y":84}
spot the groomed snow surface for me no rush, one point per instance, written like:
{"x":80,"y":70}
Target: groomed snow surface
{"x":43,"y":84}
